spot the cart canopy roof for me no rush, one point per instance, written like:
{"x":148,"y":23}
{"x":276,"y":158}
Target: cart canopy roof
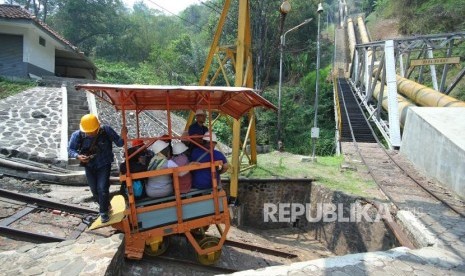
{"x":234,"y":101}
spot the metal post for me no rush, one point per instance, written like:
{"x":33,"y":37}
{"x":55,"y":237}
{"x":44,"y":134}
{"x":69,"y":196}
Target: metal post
{"x":315,"y":133}
{"x":279,"y":86}
{"x":281,"y":49}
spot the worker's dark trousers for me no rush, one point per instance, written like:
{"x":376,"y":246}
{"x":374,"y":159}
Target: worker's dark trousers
{"x":99,"y":183}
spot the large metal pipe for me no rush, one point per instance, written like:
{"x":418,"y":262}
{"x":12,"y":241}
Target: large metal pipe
{"x":425,"y":96}
{"x":351,"y":37}
{"x":362,"y":30}
{"x":403,"y":103}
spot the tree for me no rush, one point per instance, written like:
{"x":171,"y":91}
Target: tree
{"x":430,"y":16}
{"x":40,"y":8}
{"x":83,"y":22}
{"x":179,"y":62}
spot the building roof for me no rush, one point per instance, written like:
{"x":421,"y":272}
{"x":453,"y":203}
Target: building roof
{"x":15,"y":12}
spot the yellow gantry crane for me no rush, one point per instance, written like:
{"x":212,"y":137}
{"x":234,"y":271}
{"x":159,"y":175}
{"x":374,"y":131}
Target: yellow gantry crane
{"x":240,"y":56}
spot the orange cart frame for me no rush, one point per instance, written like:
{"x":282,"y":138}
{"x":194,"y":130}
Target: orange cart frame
{"x":232,"y":101}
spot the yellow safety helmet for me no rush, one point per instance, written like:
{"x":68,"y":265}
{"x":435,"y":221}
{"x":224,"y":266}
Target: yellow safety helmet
{"x":89,"y":123}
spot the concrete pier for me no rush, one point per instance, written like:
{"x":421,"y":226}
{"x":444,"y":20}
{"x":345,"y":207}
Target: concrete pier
{"x":434,"y":140}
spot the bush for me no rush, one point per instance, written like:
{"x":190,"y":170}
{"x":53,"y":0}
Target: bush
{"x":122,"y":73}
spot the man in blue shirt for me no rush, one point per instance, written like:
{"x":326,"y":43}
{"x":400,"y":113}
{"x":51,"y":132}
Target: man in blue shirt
{"x":92,"y":146}
{"x":202,"y":179}
{"x":198,"y":128}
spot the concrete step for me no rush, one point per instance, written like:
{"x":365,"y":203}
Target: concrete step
{"x":77,"y":112}
{"x":73,"y":165}
{"x":72,"y":129}
{"x":78,"y":101}
{"x":76,"y":95}
{"x":78,"y":107}
{"x":75,"y":117}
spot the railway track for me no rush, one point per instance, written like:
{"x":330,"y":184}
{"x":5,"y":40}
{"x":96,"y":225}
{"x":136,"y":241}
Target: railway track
{"x":27,"y":205}
{"x":402,"y":189}
{"x":30,"y":206}
{"x":180,"y":259}
{"x":159,"y":123}
{"x":181,"y":266}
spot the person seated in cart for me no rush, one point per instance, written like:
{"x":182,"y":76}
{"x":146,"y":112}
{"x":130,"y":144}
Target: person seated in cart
{"x":137,"y":163}
{"x":161,"y":185}
{"x":140,"y":161}
{"x":180,"y":158}
{"x":202,"y":179}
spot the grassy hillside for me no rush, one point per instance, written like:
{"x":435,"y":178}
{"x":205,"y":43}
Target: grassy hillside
{"x":406,"y":18}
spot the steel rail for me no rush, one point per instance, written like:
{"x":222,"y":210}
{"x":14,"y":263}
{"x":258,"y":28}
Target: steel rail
{"x":400,"y":236}
{"x":28,"y":236}
{"x":412,"y":178}
{"x":215,"y":269}
{"x":35,"y":203}
{"x":260,"y":249}
{"x":402,"y":169}
{"x":82,"y":210}
{"x":47,"y":203}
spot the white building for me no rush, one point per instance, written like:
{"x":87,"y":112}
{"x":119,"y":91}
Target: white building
{"x":30,"y":48}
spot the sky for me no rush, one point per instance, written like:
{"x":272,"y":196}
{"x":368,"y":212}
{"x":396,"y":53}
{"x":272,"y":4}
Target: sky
{"x":174,"y":6}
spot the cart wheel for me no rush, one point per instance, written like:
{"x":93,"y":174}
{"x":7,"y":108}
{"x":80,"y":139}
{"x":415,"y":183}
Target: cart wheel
{"x":212,"y":257}
{"x":156,"y":246}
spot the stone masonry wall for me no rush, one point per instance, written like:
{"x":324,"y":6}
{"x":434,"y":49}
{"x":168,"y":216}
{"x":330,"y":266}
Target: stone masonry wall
{"x":254,"y":193}
{"x":340,"y":237}
{"x":352,"y":236}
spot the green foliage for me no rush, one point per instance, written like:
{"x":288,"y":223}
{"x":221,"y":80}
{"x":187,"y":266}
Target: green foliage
{"x":367,"y":6}
{"x":145,"y":46}
{"x":12,"y":87}
{"x":84,"y":22}
{"x":122,"y":73}
{"x":417,"y":17}
{"x":426,"y":17}
{"x":179,"y":62}
{"x":297,"y":116}
{"x":223,"y":130}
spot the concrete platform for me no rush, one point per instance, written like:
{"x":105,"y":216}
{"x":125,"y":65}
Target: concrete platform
{"x":85,"y":256}
{"x":437,"y":133}
{"x":397,"y":261}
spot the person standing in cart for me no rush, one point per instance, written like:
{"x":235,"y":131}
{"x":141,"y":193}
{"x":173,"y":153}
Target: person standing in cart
{"x":92,"y":146}
{"x":198,"y":128}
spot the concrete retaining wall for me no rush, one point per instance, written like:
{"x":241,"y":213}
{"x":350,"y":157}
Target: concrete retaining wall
{"x":254,"y":193}
{"x":434,"y":140}
{"x":338,"y":236}
{"x":356,"y":234}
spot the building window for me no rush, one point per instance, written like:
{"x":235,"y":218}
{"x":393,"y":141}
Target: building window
{"x":42,"y":41}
